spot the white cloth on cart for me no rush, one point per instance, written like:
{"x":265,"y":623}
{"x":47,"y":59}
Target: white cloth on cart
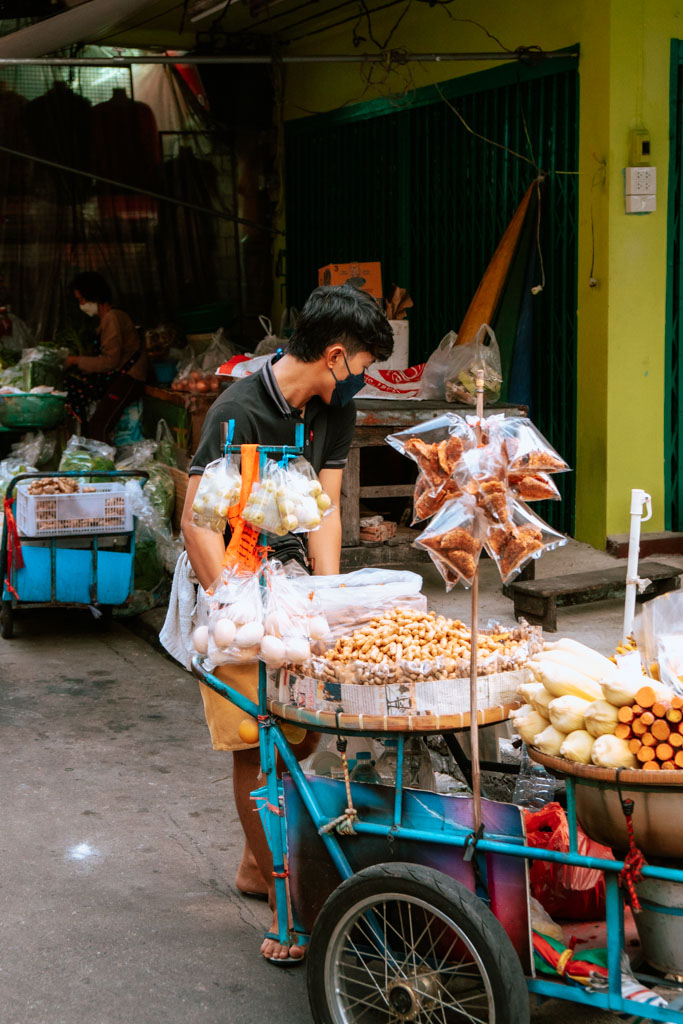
{"x":187,"y":608}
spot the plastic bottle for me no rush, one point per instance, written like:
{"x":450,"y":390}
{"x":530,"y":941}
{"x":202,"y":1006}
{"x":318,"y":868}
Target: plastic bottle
{"x":387,"y":763}
{"x":417,"y":765}
{"x":364,"y":770}
{"x":535,"y":787}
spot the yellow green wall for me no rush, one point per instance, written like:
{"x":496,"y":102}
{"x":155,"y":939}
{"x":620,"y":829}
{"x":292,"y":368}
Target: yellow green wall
{"x":624,"y":76}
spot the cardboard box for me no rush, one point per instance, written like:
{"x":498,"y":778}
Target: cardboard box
{"x":365,"y":276}
{"x":432,"y":697}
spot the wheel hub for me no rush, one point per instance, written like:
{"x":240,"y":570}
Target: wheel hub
{"x":407,"y":996}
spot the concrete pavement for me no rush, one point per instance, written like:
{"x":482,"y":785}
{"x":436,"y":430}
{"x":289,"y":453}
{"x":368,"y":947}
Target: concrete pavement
{"x":119,"y":840}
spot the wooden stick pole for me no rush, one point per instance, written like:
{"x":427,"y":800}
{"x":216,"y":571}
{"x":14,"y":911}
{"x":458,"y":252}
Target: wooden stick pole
{"x":474,"y":636}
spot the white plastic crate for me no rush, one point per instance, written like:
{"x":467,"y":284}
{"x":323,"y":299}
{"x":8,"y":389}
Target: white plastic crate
{"x":105,"y":509}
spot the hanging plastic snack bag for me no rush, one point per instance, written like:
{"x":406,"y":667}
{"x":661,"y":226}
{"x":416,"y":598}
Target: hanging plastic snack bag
{"x":515,"y":540}
{"x":267,"y":507}
{"x":294,"y":621}
{"x":481,"y":473}
{"x":436,"y":445}
{"x":478,"y":358}
{"x":525,"y":448}
{"x":427,"y":500}
{"x":219,"y":489}
{"x":235,"y":619}
{"x":534,"y":487}
{"x":453,"y":541}
{"x":302,"y":487}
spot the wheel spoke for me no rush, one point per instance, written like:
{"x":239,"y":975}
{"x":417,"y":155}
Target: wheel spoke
{"x":368,"y":972}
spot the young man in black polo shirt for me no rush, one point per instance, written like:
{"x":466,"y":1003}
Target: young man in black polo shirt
{"x":340,"y":332}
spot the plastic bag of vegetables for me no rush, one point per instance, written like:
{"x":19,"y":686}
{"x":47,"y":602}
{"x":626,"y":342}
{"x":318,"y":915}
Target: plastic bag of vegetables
{"x":84,"y":455}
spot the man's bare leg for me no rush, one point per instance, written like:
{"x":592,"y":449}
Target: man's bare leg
{"x":245,"y":780}
{"x":249,"y":879}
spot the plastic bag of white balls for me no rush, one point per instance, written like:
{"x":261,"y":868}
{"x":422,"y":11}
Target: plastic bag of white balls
{"x":219,"y":489}
{"x":235,"y":628}
{"x":295,"y":624}
{"x":287,"y":499}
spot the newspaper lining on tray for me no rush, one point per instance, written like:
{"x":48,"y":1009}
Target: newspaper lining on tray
{"x":431,"y":697}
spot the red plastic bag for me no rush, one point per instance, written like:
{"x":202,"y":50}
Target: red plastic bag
{"x":565,"y":891}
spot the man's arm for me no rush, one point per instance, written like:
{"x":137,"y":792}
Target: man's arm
{"x":205,"y":549}
{"x":324,"y":545}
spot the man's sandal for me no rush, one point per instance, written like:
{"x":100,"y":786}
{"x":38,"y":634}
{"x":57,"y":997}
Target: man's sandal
{"x":289,"y":961}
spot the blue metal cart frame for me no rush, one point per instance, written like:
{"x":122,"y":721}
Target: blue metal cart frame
{"x":10,"y":602}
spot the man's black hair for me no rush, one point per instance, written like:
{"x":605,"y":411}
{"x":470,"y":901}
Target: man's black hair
{"x":341,"y":314}
{"x":91,"y":286}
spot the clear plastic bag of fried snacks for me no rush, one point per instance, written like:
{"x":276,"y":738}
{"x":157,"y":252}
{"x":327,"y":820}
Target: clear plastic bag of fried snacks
{"x":513,"y":542}
{"x":524,"y":447}
{"x":428,"y":500}
{"x":531,"y":486}
{"x":453,"y":541}
{"x":235,"y":625}
{"x":294,"y":621}
{"x":436,"y":446}
{"x":481,"y":474}
{"x":219,"y":489}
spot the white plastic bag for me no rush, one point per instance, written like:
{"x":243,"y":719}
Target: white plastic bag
{"x":437,"y":369}
{"x":351,"y":599}
{"x":478,"y":357}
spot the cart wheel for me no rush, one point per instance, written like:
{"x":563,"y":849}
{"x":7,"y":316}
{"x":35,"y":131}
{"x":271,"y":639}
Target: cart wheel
{"x":7,"y":618}
{"x":401,"y":942}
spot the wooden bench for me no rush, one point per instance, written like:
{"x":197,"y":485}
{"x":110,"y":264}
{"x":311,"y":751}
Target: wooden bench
{"x":538,"y":600}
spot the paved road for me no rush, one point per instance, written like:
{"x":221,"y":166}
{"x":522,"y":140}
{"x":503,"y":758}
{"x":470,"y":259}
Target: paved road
{"x":119,"y":844}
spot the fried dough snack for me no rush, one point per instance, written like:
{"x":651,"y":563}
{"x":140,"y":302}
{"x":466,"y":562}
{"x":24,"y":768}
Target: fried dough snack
{"x":533,"y":486}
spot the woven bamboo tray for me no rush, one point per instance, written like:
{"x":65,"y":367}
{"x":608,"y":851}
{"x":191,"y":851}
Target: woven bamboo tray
{"x":591,"y":773}
{"x":378,"y":724}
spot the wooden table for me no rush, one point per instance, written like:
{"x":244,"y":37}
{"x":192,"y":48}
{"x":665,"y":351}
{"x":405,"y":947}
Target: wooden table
{"x":192,"y":408}
{"x":376,"y":418}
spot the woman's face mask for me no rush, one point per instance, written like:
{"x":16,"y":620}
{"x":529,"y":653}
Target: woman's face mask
{"x":89,"y":308}
{"x":345,"y":390}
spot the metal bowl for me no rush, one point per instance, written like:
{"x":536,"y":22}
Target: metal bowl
{"x":657,"y":822}
{"x":24,"y":412}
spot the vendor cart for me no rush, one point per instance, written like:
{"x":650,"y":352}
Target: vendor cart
{"x":415,"y":904}
{"x":57,"y":552}
{"x":399,"y":939}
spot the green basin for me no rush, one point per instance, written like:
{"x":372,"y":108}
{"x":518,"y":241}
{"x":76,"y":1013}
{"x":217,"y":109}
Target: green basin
{"x":23,"y":412}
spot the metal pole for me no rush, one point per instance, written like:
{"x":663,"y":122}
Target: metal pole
{"x":474,"y":636}
{"x":638,"y":499}
{"x":395,"y":56}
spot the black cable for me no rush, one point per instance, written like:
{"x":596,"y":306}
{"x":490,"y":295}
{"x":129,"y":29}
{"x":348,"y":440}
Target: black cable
{"x":140,"y":24}
{"x":344,"y":21}
{"x":280,"y":14}
{"x":317,"y":15}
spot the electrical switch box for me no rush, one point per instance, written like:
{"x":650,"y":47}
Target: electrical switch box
{"x":641,"y":181}
{"x":640,"y":189}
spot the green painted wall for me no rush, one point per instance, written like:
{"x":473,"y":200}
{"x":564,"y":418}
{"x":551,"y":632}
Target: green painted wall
{"x":624,"y":75}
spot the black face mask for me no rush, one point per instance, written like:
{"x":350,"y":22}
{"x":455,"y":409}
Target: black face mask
{"x":345,"y":390}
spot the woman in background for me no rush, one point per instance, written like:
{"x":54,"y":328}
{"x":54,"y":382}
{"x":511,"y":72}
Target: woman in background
{"x":116,"y":376}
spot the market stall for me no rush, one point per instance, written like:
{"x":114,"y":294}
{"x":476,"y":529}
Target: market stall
{"x":360,"y":655}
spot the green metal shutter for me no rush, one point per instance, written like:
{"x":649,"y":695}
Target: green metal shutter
{"x":405,"y":183}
